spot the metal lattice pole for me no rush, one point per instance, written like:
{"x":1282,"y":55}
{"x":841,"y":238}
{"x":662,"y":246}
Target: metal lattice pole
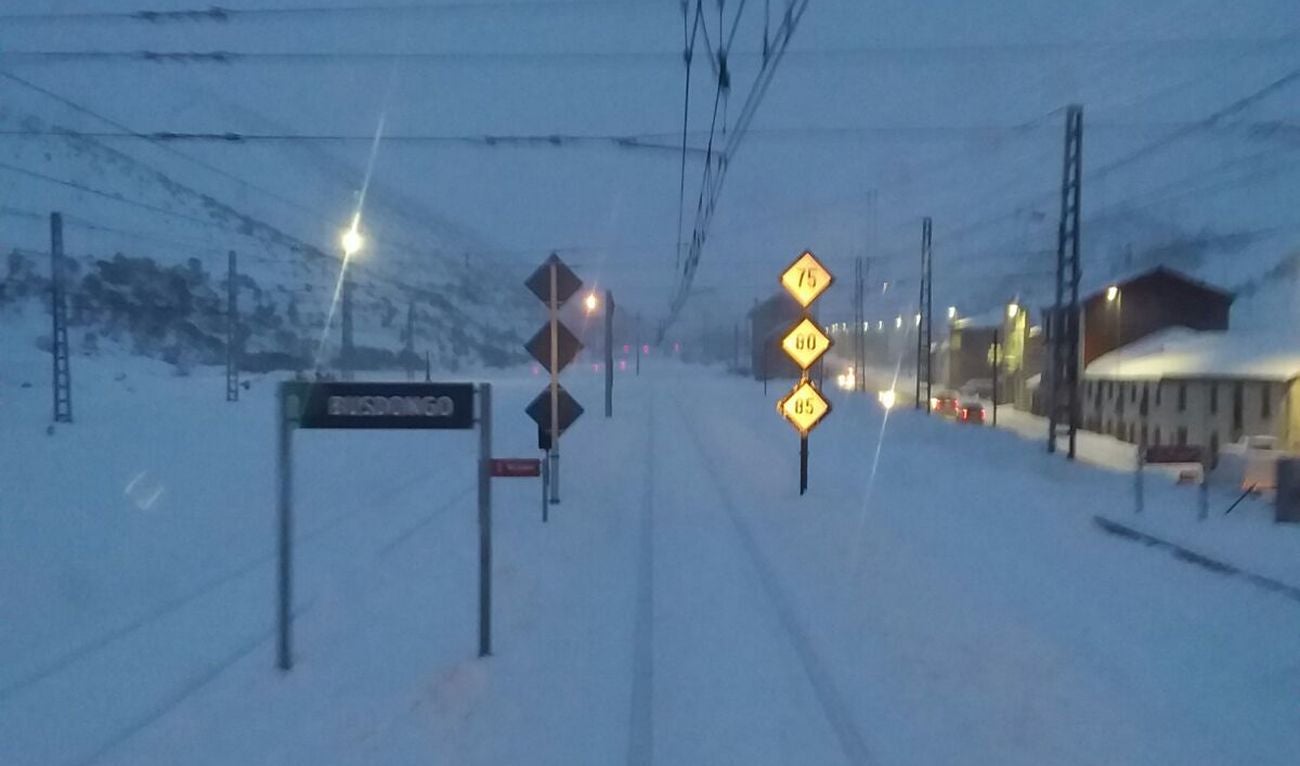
{"x":408,"y":351}
{"x":1063,"y":389}
{"x":923,"y":335}
{"x":59,"y":314}
{"x":232,"y":329}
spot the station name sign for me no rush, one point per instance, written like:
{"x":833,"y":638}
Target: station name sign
{"x":382,"y":405}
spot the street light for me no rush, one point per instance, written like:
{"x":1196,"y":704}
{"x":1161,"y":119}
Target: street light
{"x":1112,"y":293}
{"x":887,"y":398}
{"x":952,"y":312}
{"x":352,"y":241}
{"x":591,"y":303}
{"x":898,"y":322}
{"x":1013,"y":310}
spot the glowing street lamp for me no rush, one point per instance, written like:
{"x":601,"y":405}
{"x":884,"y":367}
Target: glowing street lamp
{"x":1112,"y":293}
{"x":351,"y":240}
{"x":887,"y":398}
{"x":591,"y":303}
{"x":952,"y":312}
{"x":1013,"y":310}
{"x":898,"y":322}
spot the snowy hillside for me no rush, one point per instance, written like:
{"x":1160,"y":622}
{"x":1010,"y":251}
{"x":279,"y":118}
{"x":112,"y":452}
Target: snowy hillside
{"x":501,"y":128}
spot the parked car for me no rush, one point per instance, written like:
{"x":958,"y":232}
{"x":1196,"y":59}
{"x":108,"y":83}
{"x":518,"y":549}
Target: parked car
{"x":971,"y":413}
{"x":944,"y":404}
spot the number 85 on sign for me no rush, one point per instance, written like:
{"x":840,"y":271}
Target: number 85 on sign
{"x":804,"y":407}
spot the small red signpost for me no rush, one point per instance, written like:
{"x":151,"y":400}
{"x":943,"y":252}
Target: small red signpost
{"x":516,"y":467}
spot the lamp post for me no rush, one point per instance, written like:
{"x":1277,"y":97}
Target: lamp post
{"x":351,"y":241}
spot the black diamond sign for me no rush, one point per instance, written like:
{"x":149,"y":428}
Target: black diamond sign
{"x":540,"y":410}
{"x":566,"y":282}
{"x":567,"y":346}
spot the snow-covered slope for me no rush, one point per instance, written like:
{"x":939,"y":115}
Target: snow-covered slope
{"x":945,"y":109}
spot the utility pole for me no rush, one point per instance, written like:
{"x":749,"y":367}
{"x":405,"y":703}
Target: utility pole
{"x":409,"y":351}
{"x":232,"y":328}
{"x":609,"y":353}
{"x":997,"y":363}
{"x":347,"y":352}
{"x":923,"y":335}
{"x":59,"y":313}
{"x":1063,"y":339}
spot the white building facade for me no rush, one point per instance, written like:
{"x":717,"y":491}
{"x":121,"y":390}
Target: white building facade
{"x":1204,"y":389}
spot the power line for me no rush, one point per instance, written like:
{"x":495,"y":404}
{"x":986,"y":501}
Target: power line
{"x":714,"y":176}
{"x":540,"y":140}
{"x":216,"y":14}
{"x":1211,"y":120}
{"x":924,"y":54}
{"x":126,"y":130}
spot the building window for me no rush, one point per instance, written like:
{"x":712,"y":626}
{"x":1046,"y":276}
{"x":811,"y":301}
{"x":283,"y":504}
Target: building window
{"x":1132,"y":433}
{"x":1182,"y":436}
{"x":1132,"y":393}
{"x":1182,"y":397}
{"x":1159,"y":386}
{"x":1265,"y":404}
{"x":1214,"y":398}
{"x":1155,"y":437}
{"x":1145,"y":435}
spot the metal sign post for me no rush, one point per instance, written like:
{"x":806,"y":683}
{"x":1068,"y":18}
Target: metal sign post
{"x":553,"y":283}
{"x":290,"y":408}
{"x":484,"y":519}
{"x":609,"y":354}
{"x":553,"y":304}
{"x":805,"y":343}
{"x":435,"y":406}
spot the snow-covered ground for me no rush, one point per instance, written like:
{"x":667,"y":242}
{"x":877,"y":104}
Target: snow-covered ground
{"x":941,"y":595}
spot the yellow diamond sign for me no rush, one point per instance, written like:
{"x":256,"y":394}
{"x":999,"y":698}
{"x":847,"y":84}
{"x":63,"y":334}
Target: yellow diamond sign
{"x":806,"y":343}
{"x":804,"y":407}
{"x":806,"y":279}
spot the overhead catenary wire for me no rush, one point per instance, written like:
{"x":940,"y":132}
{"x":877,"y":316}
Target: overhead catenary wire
{"x":1255,"y":129}
{"x":929,"y":54}
{"x":1147,"y":150}
{"x":714,"y":173}
{"x":222,"y":15}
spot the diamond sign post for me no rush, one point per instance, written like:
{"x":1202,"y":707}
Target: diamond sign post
{"x":805,"y":343}
{"x":554,"y":346}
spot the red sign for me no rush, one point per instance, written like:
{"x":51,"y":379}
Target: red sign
{"x":514,"y":467}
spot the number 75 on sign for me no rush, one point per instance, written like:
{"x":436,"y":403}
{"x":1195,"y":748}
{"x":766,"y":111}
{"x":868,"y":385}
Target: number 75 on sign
{"x":806,"y":279}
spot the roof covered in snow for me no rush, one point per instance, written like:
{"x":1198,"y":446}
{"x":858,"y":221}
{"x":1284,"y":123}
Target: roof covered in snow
{"x":1094,"y":288}
{"x":1182,"y":353}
